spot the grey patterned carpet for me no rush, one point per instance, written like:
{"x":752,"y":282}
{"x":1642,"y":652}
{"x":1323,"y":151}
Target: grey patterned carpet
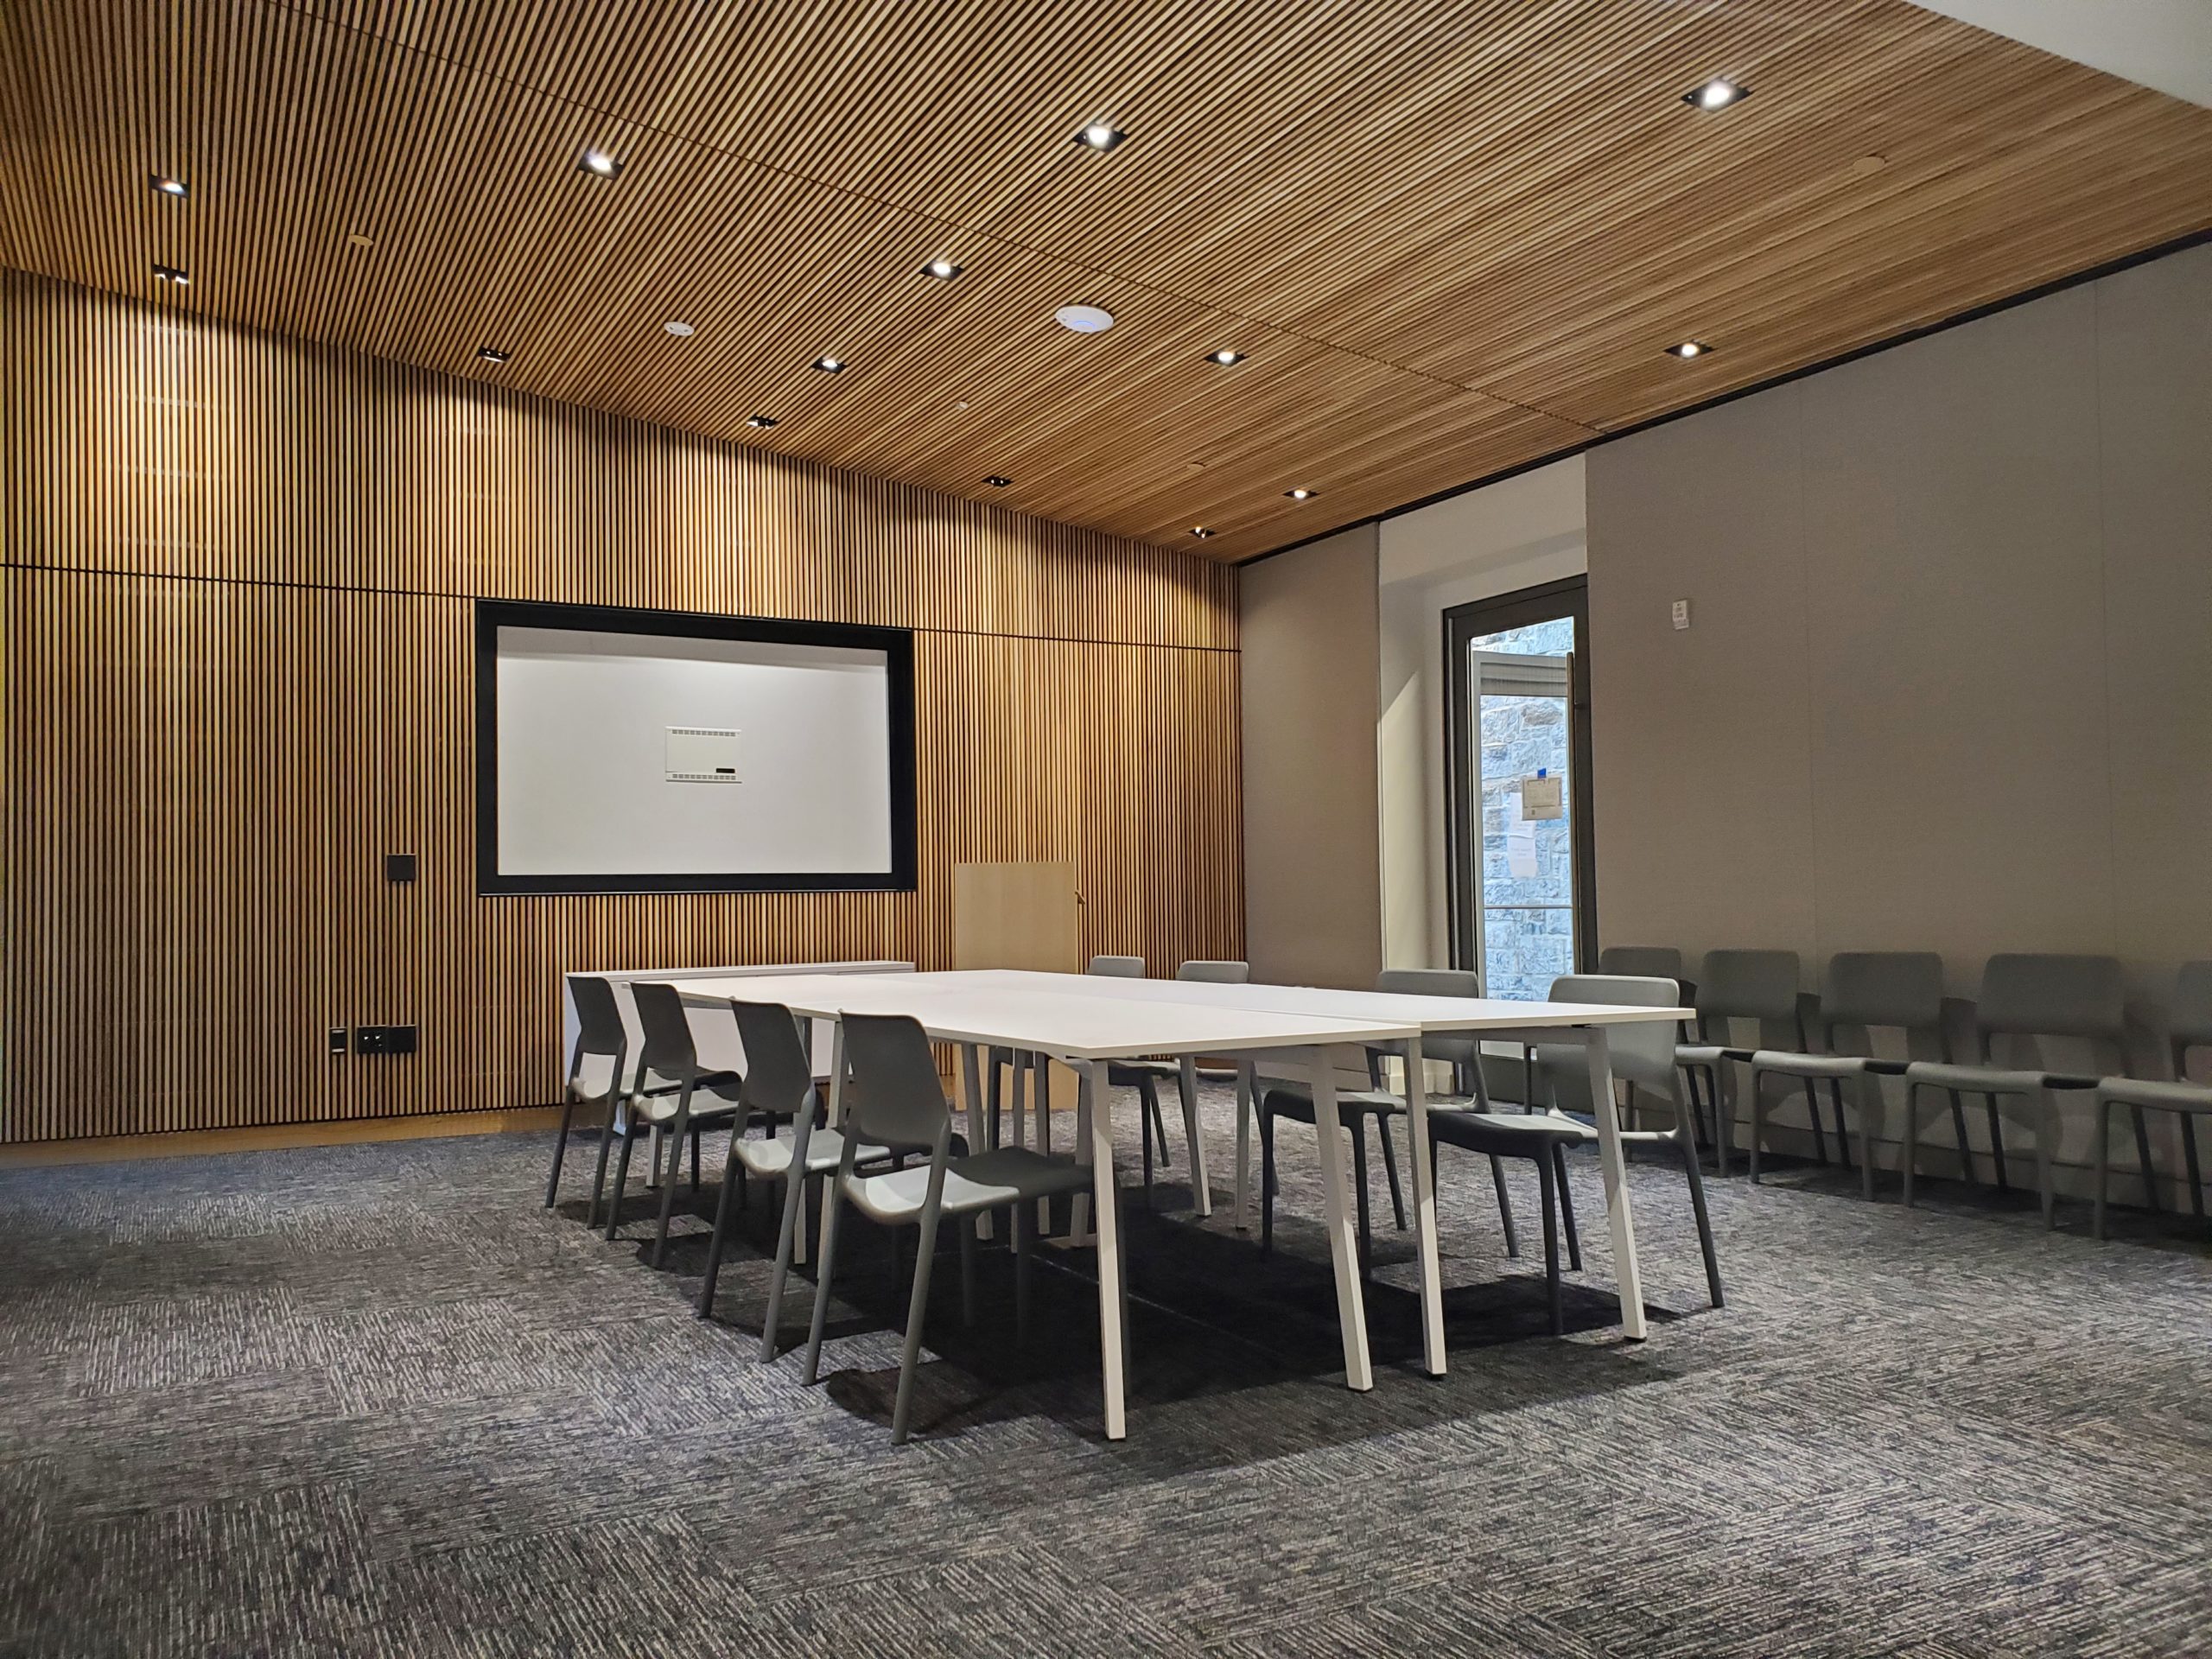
{"x":376,"y":1401}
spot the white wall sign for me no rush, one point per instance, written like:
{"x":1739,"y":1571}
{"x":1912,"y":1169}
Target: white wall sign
{"x":1541,"y":797}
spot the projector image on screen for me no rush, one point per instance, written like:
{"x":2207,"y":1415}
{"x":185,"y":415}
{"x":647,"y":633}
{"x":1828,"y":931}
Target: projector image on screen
{"x":596,"y":738}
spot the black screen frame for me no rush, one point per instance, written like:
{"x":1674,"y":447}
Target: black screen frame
{"x":896,"y":644}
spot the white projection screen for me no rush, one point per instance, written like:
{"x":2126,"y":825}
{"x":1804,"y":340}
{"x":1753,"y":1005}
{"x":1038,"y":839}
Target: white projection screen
{"x":649,"y":750}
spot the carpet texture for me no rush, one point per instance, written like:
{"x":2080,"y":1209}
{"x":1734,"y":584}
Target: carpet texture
{"x":376,"y":1401}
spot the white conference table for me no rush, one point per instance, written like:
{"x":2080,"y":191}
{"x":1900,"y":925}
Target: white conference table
{"x":1086,"y":1023}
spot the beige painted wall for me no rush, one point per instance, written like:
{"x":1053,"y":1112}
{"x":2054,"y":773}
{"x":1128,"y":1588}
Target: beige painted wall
{"x":1311,"y":882}
{"x":1948,"y":682}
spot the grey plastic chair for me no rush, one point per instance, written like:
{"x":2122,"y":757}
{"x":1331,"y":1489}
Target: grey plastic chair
{"x":779,"y":1090}
{"x":1643,"y":1055}
{"x":1865,"y":991}
{"x":2189,"y":1027}
{"x":1641,"y":962}
{"x":2029,"y":996}
{"x":676,"y":1093}
{"x":1144,"y":1076}
{"x":1754,"y":985}
{"x":1377,"y":1105}
{"x":600,"y":1036}
{"x":898,"y":1104}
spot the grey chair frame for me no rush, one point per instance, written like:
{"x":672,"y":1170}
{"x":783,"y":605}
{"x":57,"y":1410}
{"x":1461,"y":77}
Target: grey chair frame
{"x":1144,"y":1076}
{"x":601,"y":1034}
{"x":1865,"y":991}
{"x":2189,"y":1027}
{"x":1031,"y":1074}
{"x":670,"y":1057}
{"x":898,"y":1104}
{"x":2029,"y":996}
{"x":1760,"y":985}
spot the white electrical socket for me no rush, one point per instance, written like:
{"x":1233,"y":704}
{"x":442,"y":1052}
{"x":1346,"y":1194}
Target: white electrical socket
{"x":1682,"y":614}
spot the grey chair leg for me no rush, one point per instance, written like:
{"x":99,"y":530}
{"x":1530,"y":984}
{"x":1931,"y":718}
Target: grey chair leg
{"x":622,"y":1179}
{"x":917,"y":1308}
{"x":1025,"y":1221}
{"x":2104,"y":1167}
{"x":1911,"y":1154}
{"x":2143,"y":1153}
{"x":676,"y":1139}
{"x":560,"y":1145}
{"x":1267,"y":1181}
{"x":968,"y":1271}
{"x":1758,"y":1127}
{"x":1704,"y":1221}
{"x":732,"y":1180}
{"x":1359,"y":1127}
{"x":1865,"y":1136}
{"x":993,"y":1104}
{"x":599,"y":1175}
{"x":787,"y":1231}
{"x":1842,"y":1137}
{"x":2189,"y":1153}
{"x":1959,"y":1128}
{"x":1390,"y":1172}
{"x":2046,"y":1126}
{"x":1813,"y":1110}
{"x":694,"y":1157}
{"x":1148,"y":1114}
{"x":1545,"y":1178}
{"x":1997,"y":1145}
{"x":1567,"y":1209}
{"x":1504,"y":1205}
{"x":834,"y":1196}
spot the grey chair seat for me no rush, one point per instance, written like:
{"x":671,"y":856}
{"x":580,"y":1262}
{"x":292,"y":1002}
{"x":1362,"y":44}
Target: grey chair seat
{"x":1824,"y":1066}
{"x":1464,"y":1128}
{"x":1123,"y":1074}
{"x":1991,"y":1079}
{"x":770,"y":1157}
{"x":2166,"y":1096}
{"x":713,"y":1096}
{"x":987,"y":1181}
{"x":1295,"y":1101}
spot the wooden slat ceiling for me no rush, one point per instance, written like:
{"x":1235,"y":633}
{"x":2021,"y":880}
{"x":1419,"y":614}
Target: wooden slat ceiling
{"x":1452,"y":235}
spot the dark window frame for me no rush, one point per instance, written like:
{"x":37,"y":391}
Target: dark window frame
{"x":1463,"y":625}
{"x":896,"y":644}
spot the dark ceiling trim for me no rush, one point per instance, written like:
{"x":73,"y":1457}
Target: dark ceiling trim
{"x":2095,"y":273}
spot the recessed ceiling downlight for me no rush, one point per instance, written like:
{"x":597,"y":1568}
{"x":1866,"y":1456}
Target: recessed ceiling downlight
{"x":1100,"y":134}
{"x":1200,"y":532}
{"x":171,"y":274}
{"x":996,"y":482}
{"x":943,"y":270}
{"x":831,"y":365}
{"x":168,"y":186}
{"x":599,"y":164}
{"x":681,"y":330}
{"x":763,"y":421}
{"x":1299,"y":494}
{"x":1084,"y":319}
{"x":1717,"y":93}
{"x":493,"y":354}
{"x":1688,"y":348}
{"x":1228,"y":360}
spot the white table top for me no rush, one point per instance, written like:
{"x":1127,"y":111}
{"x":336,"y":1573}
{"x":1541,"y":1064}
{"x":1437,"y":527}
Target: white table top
{"x":1429,"y":1013}
{"x":974,"y":1008}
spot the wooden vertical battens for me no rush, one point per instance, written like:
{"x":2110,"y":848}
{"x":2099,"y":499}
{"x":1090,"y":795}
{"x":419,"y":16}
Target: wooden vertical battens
{"x":236,"y":670}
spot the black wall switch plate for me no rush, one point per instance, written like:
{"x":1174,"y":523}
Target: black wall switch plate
{"x":338,"y":1039}
{"x":399,"y":867}
{"x":383,"y":1039}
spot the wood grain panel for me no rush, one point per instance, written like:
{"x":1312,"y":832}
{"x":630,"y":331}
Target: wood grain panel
{"x":235,"y":670}
{"x":1452,"y":235}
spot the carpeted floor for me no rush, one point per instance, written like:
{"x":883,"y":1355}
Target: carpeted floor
{"x":376,"y":1401}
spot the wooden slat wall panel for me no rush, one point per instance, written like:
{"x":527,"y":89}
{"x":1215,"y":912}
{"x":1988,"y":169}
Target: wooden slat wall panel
{"x":235,"y":670}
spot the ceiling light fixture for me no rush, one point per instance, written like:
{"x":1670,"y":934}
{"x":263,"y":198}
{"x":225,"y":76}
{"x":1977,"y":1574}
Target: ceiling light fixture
{"x":1299,"y":494}
{"x":165,"y":185}
{"x":1688,"y":349}
{"x":599,"y":164}
{"x":1227,"y":359}
{"x":171,"y":274}
{"x":1200,"y":532}
{"x":493,"y":354}
{"x":1084,"y":319}
{"x":996,"y":482}
{"x":943,"y":270}
{"x":831,"y":365}
{"x":681,"y":330}
{"x":761,"y":420}
{"x":1100,"y":135}
{"x":1717,"y":94}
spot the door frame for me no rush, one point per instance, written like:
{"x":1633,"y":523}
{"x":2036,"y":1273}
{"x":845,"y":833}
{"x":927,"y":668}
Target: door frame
{"x":1463,"y":624}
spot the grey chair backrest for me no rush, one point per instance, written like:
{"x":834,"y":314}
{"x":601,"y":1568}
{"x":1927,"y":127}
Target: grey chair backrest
{"x":2189,"y":1020}
{"x":601,"y":1034}
{"x":1117,"y":967}
{"x":1642,"y":1053}
{"x":1456,"y":1052}
{"x":777,"y":1076}
{"x":1869,"y":989}
{"x":1641,"y":961}
{"x":668,"y":1048}
{"x":1216,"y":973}
{"x":2036,"y":994}
{"x":896,"y":1099}
{"x":1759,"y":985}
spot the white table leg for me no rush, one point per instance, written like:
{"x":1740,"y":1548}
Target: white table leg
{"x":971,"y":1069}
{"x":1244,"y":1107}
{"x":1432,"y":1270}
{"x":1343,"y":1243}
{"x":1111,"y":1335}
{"x":1187,"y":1081}
{"x":1626,"y":1271}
